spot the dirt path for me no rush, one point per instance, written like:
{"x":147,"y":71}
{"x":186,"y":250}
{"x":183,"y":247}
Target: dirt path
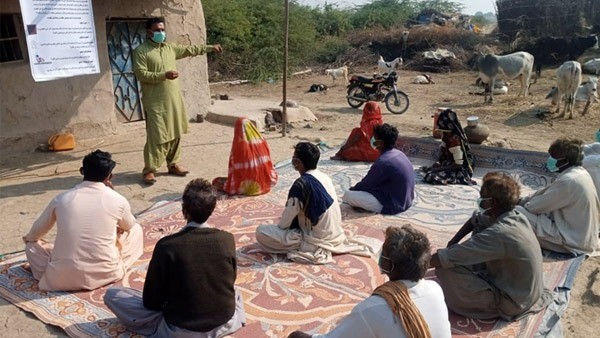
{"x":29,"y":181}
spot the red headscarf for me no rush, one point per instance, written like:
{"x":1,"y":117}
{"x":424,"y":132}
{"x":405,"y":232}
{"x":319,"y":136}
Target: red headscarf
{"x":371,"y":118}
{"x":358,"y":145}
{"x":251,"y":171}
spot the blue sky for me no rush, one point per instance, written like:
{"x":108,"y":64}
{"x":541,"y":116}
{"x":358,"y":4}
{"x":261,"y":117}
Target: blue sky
{"x":471,"y":6}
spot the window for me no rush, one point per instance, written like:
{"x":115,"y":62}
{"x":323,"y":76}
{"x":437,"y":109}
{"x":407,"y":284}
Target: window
{"x":10,"y":43}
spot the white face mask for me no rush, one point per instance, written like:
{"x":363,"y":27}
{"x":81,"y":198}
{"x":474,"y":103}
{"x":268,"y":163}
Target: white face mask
{"x":481,"y":209}
{"x":382,"y":270}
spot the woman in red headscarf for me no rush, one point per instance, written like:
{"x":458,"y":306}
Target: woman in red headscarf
{"x":358,"y":145}
{"x":251,"y":170}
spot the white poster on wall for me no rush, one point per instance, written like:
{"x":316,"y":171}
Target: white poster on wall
{"x":61,"y":38}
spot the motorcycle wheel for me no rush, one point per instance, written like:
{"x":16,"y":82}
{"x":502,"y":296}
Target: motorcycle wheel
{"x":356,"y":91}
{"x":396,"y":102}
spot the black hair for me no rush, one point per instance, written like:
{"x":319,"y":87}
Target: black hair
{"x":308,"y":154}
{"x":409,"y":250}
{"x":569,"y":148}
{"x":387,"y":133}
{"x":97,"y":165}
{"x":154,"y":20}
{"x":199,"y":200}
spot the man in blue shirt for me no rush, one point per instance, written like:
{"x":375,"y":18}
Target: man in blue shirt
{"x":389,"y":186}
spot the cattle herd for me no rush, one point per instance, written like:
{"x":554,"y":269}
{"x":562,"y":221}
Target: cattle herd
{"x":547,"y":51}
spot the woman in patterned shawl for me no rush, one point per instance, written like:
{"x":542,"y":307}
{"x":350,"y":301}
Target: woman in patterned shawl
{"x":251,"y":170}
{"x":358,"y":145}
{"x":455,"y":165}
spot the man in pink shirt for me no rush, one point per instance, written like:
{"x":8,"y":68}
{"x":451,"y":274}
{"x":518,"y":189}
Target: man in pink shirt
{"x":97,"y":236}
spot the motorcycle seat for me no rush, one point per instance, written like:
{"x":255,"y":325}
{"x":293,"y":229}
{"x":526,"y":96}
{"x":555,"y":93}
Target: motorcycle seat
{"x":362,"y":79}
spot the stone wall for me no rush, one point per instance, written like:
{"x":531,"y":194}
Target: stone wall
{"x":31,"y":111}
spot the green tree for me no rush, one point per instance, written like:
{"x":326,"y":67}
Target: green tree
{"x":442,"y":6}
{"x":330,"y":20}
{"x":383,"y":13}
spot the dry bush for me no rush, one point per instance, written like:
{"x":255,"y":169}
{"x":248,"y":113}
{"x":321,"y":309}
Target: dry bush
{"x":389,"y":44}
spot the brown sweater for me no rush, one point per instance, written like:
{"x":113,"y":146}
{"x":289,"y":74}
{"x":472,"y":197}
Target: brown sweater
{"x":191,"y":277}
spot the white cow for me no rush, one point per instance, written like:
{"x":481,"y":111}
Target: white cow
{"x":587,"y":92}
{"x":592,"y":66}
{"x":385,"y":67}
{"x":338,"y":72}
{"x":505,"y":67}
{"x":568,"y":79}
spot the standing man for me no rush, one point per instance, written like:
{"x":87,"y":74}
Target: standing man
{"x":190,"y":285}
{"x":154,"y":64}
{"x":389,"y":186}
{"x":97,"y":237}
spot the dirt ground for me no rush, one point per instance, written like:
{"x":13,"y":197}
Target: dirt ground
{"x":29,"y":181}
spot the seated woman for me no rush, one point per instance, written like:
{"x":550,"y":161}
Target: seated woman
{"x":455,"y":165}
{"x":358,"y":145}
{"x":406,"y":306}
{"x":251,"y":171}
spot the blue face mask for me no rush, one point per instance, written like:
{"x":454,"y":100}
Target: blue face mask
{"x":551,"y":164}
{"x":373,"y":140}
{"x":159,"y":37}
{"x":481,"y":209}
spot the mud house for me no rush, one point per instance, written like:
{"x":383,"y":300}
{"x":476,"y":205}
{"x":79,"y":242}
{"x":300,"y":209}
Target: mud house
{"x":93,"y":105}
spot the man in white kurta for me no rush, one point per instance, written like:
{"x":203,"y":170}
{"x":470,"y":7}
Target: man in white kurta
{"x":373,"y":317}
{"x":565,"y":215}
{"x":310,"y":228}
{"x":97,"y":236}
{"x":591,"y":163}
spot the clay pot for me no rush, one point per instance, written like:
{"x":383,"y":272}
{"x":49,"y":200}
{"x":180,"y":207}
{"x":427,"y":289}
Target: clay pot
{"x":475,"y":131}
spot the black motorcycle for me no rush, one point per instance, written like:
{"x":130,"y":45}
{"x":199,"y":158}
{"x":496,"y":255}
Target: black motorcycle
{"x":379,"y":88}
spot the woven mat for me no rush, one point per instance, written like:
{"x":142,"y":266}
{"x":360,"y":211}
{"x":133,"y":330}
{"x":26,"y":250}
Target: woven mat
{"x":282,"y":296}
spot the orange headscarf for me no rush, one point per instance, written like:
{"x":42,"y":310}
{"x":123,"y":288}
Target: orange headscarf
{"x":371,"y":118}
{"x":251,"y":170}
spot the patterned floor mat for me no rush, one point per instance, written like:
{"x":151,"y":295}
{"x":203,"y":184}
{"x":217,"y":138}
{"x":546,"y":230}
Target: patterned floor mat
{"x":282,"y":296}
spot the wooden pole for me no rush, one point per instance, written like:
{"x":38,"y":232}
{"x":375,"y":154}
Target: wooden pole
{"x":286,"y":23}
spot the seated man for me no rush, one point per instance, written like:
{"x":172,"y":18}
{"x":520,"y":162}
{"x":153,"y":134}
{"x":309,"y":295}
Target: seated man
{"x":591,"y":163}
{"x":407,"y":305}
{"x":97,"y":238}
{"x":565,"y":215}
{"x":189,"y":289}
{"x":310,"y":228}
{"x":497,"y":272}
{"x":389,"y":187}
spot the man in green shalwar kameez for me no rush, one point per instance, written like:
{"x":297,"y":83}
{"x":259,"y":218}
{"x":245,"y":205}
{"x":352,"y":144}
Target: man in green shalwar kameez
{"x":154,"y":64}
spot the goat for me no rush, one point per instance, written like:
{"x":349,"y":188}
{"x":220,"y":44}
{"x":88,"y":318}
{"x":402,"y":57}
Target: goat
{"x":317,"y":88}
{"x":586,"y":92}
{"x":385,"y":67}
{"x":338,"y":72}
{"x":423,"y":79}
{"x":519,"y":64}
{"x":500,"y":87}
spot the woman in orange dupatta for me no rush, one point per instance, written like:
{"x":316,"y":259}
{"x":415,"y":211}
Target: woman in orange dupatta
{"x":251,"y":171}
{"x":358,"y":145}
